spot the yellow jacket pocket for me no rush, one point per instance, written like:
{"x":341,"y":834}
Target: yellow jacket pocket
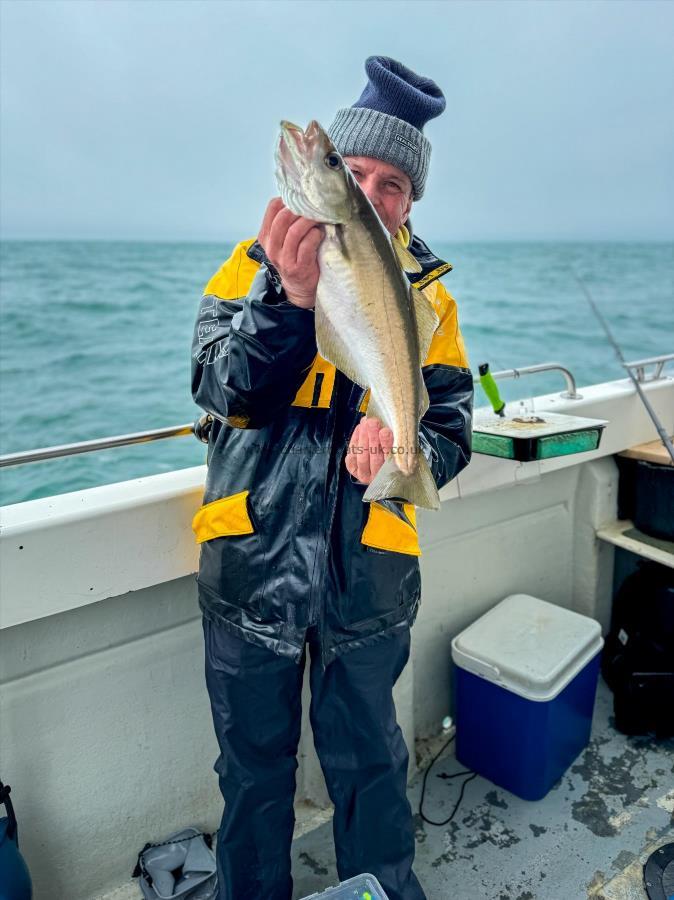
{"x":228,"y":516}
{"x":386,"y":531}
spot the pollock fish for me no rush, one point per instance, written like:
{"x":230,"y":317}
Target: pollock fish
{"x":370,"y":322}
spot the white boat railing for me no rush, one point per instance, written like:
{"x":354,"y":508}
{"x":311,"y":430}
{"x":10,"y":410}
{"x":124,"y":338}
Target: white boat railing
{"x":122,"y":440}
{"x":200,"y":428}
{"x":570,"y":394}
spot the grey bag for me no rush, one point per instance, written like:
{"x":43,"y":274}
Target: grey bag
{"x":180,"y":868}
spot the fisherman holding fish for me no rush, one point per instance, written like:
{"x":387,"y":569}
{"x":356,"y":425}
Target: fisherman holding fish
{"x":330,"y":359}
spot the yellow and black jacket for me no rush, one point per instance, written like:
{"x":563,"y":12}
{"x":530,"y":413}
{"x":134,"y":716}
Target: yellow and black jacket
{"x":286,"y":539}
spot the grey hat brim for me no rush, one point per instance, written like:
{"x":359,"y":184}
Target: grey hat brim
{"x":357,"y":131}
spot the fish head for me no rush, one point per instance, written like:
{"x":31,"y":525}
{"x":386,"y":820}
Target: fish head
{"x":312,"y":178}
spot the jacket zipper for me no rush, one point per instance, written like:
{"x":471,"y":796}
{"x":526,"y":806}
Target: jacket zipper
{"x":338,"y":464}
{"x":313,"y":600}
{"x":325,"y":560}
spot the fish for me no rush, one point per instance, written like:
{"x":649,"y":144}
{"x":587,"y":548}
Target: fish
{"x":370,"y":322}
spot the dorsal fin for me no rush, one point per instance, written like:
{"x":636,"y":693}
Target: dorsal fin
{"x":427,"y":321}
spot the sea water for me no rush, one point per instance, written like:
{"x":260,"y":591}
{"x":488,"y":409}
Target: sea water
{"x":95,"y":338}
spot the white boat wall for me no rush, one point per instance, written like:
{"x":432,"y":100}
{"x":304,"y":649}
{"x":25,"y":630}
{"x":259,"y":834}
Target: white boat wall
{"x":106,"y":736}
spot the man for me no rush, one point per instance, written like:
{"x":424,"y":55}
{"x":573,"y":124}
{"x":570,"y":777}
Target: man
{"x":290,"y":554}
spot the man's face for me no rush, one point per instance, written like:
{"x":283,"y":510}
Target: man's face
{"x":388,"y":188}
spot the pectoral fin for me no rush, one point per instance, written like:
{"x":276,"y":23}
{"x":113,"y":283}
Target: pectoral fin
{"x":405,"y":258}
{"x":332,"y":348}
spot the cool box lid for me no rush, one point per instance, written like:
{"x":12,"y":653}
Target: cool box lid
{"x":528,"y":646}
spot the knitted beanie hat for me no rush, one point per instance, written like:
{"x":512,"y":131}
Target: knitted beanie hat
{"x":387,"y":120}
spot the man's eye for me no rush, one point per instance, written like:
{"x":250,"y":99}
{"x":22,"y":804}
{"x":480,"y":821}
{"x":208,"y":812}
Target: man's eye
{"x":392,"y":184}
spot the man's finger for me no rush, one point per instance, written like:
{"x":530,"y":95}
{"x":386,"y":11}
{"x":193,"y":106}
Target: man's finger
{"x":386,"y":440}
{"x":306,"y":252}
{"x":385,"y":444}
{"x":351,"y":452}
{"x":363,"y":459}
{"x":376,"y":454}
{"x":277,"y":234}
{"x":297,"y":232}
{"x":373,"y":426}
{"x":270,"y":214}
{"x":273,"y":207}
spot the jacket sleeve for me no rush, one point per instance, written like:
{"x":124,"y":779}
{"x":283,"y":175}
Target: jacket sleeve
{"x":250,"y":354}
{"x":445,"y":431}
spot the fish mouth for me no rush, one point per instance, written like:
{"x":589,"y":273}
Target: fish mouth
{"x":304,"y":142}
{"x":291,"y":149}
{"x":285,"y":158}
{"x":292,"y":134}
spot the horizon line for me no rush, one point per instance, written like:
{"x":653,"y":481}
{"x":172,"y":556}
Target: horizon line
{"x":432,"y":240}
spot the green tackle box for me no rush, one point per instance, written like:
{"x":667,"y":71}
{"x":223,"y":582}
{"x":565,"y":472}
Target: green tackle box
{"x":535,"y":437}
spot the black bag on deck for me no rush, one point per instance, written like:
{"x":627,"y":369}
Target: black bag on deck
{"x":638,"y":658}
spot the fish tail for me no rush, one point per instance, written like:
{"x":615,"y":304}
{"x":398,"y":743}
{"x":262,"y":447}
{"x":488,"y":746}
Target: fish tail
{"x":419,"y":488}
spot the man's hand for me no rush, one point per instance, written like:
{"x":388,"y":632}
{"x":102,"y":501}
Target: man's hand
{"x":370,"y":445}
{"x":291,"y":242}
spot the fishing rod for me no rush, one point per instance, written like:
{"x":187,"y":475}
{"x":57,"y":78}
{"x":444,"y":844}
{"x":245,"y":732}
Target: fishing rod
{"x":664,"y":437}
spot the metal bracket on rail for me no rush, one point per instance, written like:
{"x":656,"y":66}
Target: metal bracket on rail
{"x":639,"y":367}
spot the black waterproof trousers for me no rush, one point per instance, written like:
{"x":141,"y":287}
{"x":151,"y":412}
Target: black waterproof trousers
{"x":256,"y":703}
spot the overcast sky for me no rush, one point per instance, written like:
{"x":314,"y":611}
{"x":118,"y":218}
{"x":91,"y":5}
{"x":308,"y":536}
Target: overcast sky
{"x":157,"y":120}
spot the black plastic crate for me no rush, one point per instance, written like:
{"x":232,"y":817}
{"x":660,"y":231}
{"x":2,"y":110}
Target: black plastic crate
{"x":646,"y":496}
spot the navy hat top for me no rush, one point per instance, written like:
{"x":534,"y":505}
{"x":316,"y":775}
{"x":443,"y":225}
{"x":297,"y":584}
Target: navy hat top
{"x":394,"y":89}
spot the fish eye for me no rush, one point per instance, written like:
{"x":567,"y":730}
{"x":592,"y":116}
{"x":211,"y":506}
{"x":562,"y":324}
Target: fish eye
{"x":333,"y":161}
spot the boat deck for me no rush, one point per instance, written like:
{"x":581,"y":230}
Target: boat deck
{"x":584,"y":839}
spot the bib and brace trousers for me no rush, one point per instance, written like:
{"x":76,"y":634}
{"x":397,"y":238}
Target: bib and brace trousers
{"x":291,"y":558}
